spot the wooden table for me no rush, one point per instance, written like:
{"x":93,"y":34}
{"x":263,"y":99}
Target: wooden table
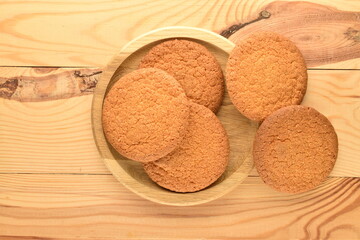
{"x":53,"y":185}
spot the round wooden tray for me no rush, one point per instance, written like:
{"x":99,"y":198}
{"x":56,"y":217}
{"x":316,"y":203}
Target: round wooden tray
{"x":241,"y":131}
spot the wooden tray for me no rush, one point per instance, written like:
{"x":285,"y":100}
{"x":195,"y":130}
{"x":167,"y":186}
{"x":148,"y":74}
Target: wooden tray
{"x":240,"y":130}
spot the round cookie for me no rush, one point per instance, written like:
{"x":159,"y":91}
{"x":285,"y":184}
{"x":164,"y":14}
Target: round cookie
{"x":193,"y":66}
{"x":200,"y":159}
{"x":145,"y":114}
{"x":265,"y":72}
{"x":295,"y":149}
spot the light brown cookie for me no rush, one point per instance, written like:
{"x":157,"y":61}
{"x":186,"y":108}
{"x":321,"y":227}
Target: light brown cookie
{"x":196,"y":69}
{"x":200,"y":159}
{"x":265,"y":72}
{"x":145,"y":114}
{"x":295,"y":149}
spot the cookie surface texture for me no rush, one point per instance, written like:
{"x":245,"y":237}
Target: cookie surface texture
{"x":295,"y":149}
{"x":145,"y":114}
{"x":200,"y":159}
{"x":193,"y":66}
{"x":265,"y":72}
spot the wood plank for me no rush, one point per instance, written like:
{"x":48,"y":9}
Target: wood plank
{"x":55,"y":136}
{"x":96,"y":206}
{"x":79,"y":33}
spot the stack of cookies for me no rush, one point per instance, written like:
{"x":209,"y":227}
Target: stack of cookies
{"x":163,"y":115}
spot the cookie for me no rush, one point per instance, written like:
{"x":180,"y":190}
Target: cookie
{"x":200,"y":159}
{"x":145,"y":114}
{"x":295,"y":149}
{"x":265,"y":72}
{"x":193,"y":66}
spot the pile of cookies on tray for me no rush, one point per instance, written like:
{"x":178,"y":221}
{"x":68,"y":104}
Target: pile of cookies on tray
{"x":164,"y":115}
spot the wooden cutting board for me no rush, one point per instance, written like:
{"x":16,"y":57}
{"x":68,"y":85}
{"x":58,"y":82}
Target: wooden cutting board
{"x":53,"y":184}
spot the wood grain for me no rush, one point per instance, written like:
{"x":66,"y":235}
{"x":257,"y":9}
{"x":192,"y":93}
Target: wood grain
{"x":43,"y":84}
{"x":79,"y":33}
{"x":97,"y":207}
{"x":324,"y":35}
{"x":58,"y":135}
{"x":51,"y":136}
